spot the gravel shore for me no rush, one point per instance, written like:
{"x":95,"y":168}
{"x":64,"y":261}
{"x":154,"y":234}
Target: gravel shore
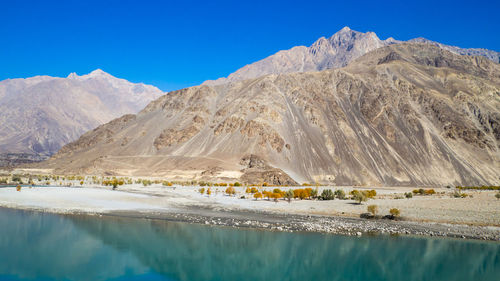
{"x":187,"y":205}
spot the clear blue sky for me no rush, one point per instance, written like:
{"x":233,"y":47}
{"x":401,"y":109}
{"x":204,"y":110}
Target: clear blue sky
{"x":175,"y":44}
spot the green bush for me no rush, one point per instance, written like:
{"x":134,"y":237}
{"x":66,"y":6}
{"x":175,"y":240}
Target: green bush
{"x":327,"y":194}
{"x":314,"y":193}
{"x":340,"y":194}
{"x":408,"y":195}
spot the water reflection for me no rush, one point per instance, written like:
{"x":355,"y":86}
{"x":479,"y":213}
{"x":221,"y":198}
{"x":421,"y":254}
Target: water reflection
{"x":89,"y":248}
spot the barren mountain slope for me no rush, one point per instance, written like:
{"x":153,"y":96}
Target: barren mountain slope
{"x":335,"y":52}
{"x":405,"y":114}
{"x":41,"y":114}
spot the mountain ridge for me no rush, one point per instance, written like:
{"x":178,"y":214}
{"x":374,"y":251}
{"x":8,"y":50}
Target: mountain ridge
{"x":42,"y":113}
{"x":334,"y":52}
{"x":404,"y":114}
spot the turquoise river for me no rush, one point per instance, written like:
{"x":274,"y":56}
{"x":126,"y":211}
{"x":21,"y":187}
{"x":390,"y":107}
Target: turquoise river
{"x":42,"y":246}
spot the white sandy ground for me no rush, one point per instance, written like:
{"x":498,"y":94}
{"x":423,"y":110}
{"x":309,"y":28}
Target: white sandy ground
{"x":482,"y":209}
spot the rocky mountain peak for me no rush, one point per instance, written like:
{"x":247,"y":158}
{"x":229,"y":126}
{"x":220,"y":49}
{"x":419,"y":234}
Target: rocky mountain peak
{"x":336,"y":51}
{"x":98,"y":73}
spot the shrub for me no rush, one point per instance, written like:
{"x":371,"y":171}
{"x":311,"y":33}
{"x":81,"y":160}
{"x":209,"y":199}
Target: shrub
{"x":340,"y":194}
{"x":484,"y":187}
{"x":314,"y":193}
{"x":430,"y":192}
{"x":373,"y":209}
{"x":359,"y":196}
{"x":289,"y":195}
{"x":277,"y":190}
{"x":202,"y":190}
{"x":394,"y":212}
{"x":371,"y":193}
{"x":408,"y":195}
{"x":230,"y":190}
{"x":253,"y":190}
{"x":257,"y":195}
{"x":327,"y":194}
{"x":422,"y":191}
{"x":458,"y":194}
{"x":17,"y":179}
{"x":18,"y":188}
{"x":237,"y":184}
{"x":497,"y":195}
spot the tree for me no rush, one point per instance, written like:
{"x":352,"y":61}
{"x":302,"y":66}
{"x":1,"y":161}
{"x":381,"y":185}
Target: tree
{"x":209,"y":191}
{"x":359,"y":196}
{"x":327,"y":194}
{"x":267,"y":194}
{"x":314,"y":193}
{"x":340,"y":194}
{"x":230,"y":190}
{"x":308,"y":192}
{"x":289,"y":195}
{"x":276,"y":196}
{"x":18,"y":188}
{"x":408,"y":195}
{"x":114,"y":182}
{"x":257,"y":195}
{"x":394,"y":212}
{"x":371,"y":193}
{"x":373,"y":209}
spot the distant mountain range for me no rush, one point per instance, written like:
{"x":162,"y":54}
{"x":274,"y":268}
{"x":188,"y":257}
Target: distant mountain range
{"x":403,"y":114}
{"x":334,"y":52}
{"x":41,"y":114}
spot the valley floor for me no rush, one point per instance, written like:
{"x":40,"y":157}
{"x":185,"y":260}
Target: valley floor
{"x":440,"y":214}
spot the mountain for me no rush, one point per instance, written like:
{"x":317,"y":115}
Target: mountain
{"x":404,"y":114}
{"x":491,"y":55}
{"x":334,"y":52}
{"x":41,"y":114}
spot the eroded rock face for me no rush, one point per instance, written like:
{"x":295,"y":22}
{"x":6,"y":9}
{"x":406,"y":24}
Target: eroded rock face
{"x":406,"y":114}
{"x":258,"y":171}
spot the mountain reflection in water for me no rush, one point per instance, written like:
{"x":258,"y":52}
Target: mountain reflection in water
{"x":39,"y":246}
